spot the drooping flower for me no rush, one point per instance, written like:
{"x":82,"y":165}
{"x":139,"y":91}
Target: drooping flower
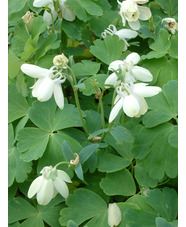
{"x":129,"y":69}
{"x":67,"y":13}
{"x":114,"y":215}
{"x":132,"y":12}
{"x":131,"y":99}
{"x":47,"y":83}
{"x":60,"y":60}
{"x":47,"y":188}
{"x":28,"y":18}
{"x":123,"y":34}
{"x":171,"y":24}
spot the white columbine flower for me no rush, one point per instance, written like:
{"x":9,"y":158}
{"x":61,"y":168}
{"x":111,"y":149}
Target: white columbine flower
{"x":171,"y":24}
{"x":132,"y":12}
{"x":47,"y":83}
{"x":67,"y":13}
{"x":114,"y":215}
{"x":131,"y":99}
{"x":47,"y":188}
{"x":122,"y":34}
{"x":129,"y":68}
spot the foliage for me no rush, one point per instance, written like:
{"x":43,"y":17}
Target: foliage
{"x":131,"y":161}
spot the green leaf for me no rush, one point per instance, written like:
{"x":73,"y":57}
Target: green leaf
{"x":101,"y":131}
{"x":19,"y":209}
{"x":82,"y":7}
{"x":161,"y":158}
{"x":54,"y":150}
{"x":14,"y":7}
{"x":79,"y":171}
{"x":108,"y":50}
{"x":161,"y":222}
{"x":82,"y":205}
{"x":163,"y":106}
{"x":48,"y":117}
{"x":170,"y":7}
{"x":17,"y":104}
{"x":14,"y":64}
{"x":165,"y":202}
{"x":67,"y":152}
{"x":162,"y":43}
{"x":28,"y":49}
{"x":87,"y":151}
{"x":91,"y":124}
{"x":32,"y":150}
{"x":118,"y":183}
{"x":123,"y":149}
{"x":173,"y":50}
{"x":20,"y":38}
{"x":122,"y":134}
{"x":17,"y":168}
{"x":173,"y":138}
{"x":86,"y":68}
{"x":105,"y":160}
{"x":45,"y":44}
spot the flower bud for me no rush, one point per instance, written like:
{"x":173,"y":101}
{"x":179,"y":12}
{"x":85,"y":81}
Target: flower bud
{"x":60,"y":60}
{"x":28,"y":18}
{"x":114,"y":215}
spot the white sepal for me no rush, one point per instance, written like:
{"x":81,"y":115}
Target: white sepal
{"x":133,"y":57}
{"x":142,"y":74}
{"x":46,"y":192}
{"x":61,"y":187}
{"x":145,"y":13}
{"x":63,"y":176}
{"x":115,"y":110}
{"x":41,"y":3}
{"x":58,"y":95}
{"x":34,"y":71}
{"x":111,"y":80}
{"x":35,"y":186}
{"x":141,"y":89}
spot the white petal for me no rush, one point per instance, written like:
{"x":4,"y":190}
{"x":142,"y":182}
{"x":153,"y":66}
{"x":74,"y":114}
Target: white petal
{"x":41,"y":3}
{"x":61,"y":187}
{"x":142,"y":74}
{"x":115,"y":110}
{"x":131,"y":106}
{"x":126,"y":34}
{"x":140,"y":1}
{"x":58,"y":95}
{"x":145,"y":13}
{"x":55,"y":193}
{"x":114,"y":215}
{"x":114,"y":66}
{"x":45,"y":90}
{"x":46,"y":192}
{"x":34,"y":71}
{"x":135,"y":25}
{"x":63,"y":176}
{"x":111,"y":80}
{"x":35,"y":186}
{"x":36,"y":86}
{"x":67,"y":13}
{"x":143,"y":106}
{"x":133,"y":57}
{"x":141,"y":89}
{"x":117,"y":99}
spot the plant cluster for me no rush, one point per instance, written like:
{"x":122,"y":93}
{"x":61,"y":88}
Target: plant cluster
{"x":93,"y":113}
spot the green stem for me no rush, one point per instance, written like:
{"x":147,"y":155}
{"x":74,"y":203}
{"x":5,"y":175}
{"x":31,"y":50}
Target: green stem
{"x":53,"y":29}
{"x":170,"y":8}
{"x":123,"y":118}
{"x":102,"y":111}
{"x":77,"y":100}
{"x":152,"y":27}
{"x":61,"y":163}
{"x":113,"y":98}
{"x":61,"y":37}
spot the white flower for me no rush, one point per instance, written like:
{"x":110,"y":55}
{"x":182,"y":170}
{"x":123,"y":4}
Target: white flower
{"x":60,"y":60}
{"x":114,"y":215}
{"x":47,"y":83}
{"x":130,"y":71}
{"x":47,"y":188}
{"x":132,"y":12}
{"x":67,"y":13}
{"x":131,"y":99}
{"x":122,"y":34}
{"x":171,"y":24}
